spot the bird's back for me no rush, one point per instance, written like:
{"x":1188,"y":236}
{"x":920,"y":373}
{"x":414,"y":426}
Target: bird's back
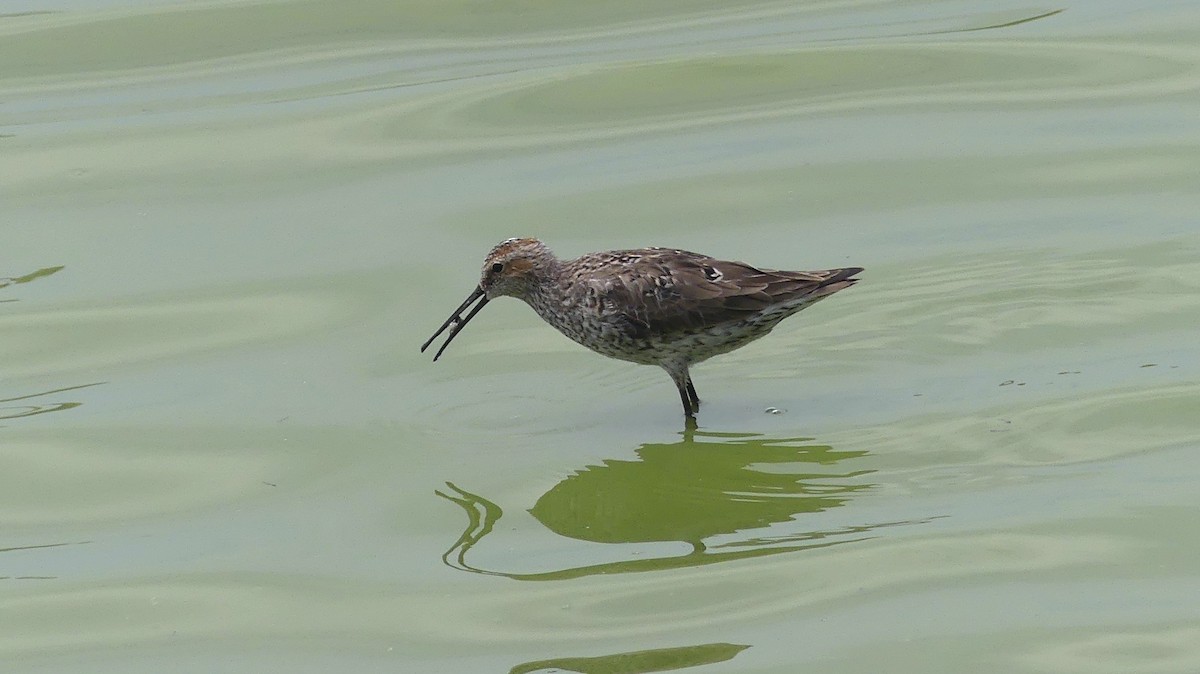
{"x":651,"y":304}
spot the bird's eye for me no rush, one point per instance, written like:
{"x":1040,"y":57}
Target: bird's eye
{"x":497,"y":267}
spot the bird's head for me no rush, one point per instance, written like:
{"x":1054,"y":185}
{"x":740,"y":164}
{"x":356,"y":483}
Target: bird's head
{"x":514,"y":267}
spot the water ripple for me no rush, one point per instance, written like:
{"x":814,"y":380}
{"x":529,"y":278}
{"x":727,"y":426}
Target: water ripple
{"x":369,"y":101}
{"x":618,"y":100}
{"x":1025,"y":299}
{"x":74,"y":339}
{"x":1158,"y":649}
{"x":67,"y":478}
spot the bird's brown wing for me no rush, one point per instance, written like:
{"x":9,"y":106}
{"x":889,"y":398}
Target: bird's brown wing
{"x":665,"y":291}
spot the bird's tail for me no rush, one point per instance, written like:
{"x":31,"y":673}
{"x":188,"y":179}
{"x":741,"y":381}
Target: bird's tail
{"x":835,"y":280}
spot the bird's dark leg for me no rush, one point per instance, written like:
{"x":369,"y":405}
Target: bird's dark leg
{"x":691,"y":390}
{"x":683,"y":382}
{"x":687,"y":402}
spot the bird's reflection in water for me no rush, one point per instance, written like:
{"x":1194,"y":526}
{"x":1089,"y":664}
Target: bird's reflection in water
{"x":637,"y":662}
{"x":726,"y":495}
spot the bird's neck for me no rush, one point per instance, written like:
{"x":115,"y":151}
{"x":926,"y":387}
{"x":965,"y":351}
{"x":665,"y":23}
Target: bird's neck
{"x":548,"y":292}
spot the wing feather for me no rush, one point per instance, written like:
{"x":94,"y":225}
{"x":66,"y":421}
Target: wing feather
{"x":664,"y":291}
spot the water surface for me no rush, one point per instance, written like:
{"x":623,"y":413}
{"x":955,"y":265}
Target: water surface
{"x":229,"y":225}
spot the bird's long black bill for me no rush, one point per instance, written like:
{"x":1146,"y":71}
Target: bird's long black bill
{"x":457,"y":321}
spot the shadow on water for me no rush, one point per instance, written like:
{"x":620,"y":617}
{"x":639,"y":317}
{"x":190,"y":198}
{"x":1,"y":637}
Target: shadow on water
{"x":1000,"y":24}
{"x":43,"y":546}
{"x":720,"y":493}
{"x":637,"y":662}
{"x":18,"y":411}
{"x":6,"y":281}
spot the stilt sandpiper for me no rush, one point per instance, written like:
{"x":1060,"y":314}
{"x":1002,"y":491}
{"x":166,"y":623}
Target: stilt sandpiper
{"x":654,"y":306}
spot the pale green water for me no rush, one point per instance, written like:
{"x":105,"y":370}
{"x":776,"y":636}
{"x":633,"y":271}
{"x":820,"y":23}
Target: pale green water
{"x":222,"y":451}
